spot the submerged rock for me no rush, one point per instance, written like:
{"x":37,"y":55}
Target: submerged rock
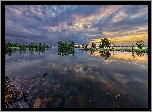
{"x":22,"y":105}
{"x":46,"y":91}
{"x":57,"y":102}
{"x":44,"y":83}
{"x":66,"y":104}
{"x":57,"y":86}
{"x":45,"y":101}
{"x":37,"y":103}
{"x":70,"y":99}
{"x":82,"y":99}
{"x":35,"y":91}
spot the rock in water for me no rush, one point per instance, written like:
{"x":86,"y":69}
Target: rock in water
{"x":23,"y":105}
{"x":70,"y":99}
{"x":66,"y":104}
{"x":45,"y":101}
{"x":44,"y":83}
{"x":57,"y":86}
{"x":37,"y":103}
{"x":57,"y":102}
{"x":46,"y":91}
{"x":35,"y":91}
{"x":82,"y":99}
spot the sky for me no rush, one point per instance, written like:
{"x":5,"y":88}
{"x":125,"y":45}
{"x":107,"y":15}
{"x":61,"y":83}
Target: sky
{"x":122,"y":24}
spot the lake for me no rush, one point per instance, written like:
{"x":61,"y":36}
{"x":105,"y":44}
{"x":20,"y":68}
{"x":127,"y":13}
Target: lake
{"x":82,"y":80}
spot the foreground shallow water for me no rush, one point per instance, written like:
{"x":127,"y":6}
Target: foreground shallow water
{"x":81,"y":81}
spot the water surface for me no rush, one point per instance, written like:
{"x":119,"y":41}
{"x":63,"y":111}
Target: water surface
{"x":84,"y":80}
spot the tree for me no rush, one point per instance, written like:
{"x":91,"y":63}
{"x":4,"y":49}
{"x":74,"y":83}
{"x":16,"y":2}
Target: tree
{"x":105,"y":43}
{"x":140,"y":44}
{"x":64,"y":44}
{"x":93,"y":45}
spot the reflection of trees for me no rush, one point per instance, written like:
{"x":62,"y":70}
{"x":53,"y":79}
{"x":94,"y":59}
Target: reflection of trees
{"x":23,"y":50}
{"x":65,"y":48}
{"x":105,"y":54}
{"x":65,"y":51}
{"x":92,"y":51}
{"x":10,"y":51}
{"x":11,"y":47}
{"x":138,"y":53}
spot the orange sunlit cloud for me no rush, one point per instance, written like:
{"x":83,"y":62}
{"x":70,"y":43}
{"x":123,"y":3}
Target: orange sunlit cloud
{"x":132,"y":37}
{"x":122,"y":39}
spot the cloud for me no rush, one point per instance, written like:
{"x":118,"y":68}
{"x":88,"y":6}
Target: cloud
{"x":76,"y":22}
{"x":120,"y":16}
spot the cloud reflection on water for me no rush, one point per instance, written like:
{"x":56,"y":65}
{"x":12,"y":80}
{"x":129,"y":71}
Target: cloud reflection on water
{"x":86,"y":74}
{"x":125,"y":57}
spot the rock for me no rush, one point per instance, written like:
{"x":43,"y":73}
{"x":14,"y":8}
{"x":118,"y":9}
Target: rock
{"x":66,"y":104}
{"x":7,"y":97}
{"x":57,"y":102}
{"x":23,"y":105}
{"x":45,"y":101}
{"x":70,"y":99}
{"x":95,"y":98}
{"x":46,"y":91}
{"x":35,"y":91}
{"x":81,"y":99}
{"x":57,"y":86}
{"x":33,"y":81}
{"x":37,"y":103}
{"x":44,"y":83}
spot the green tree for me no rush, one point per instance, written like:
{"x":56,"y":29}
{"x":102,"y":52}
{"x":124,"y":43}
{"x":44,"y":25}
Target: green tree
{"x":64,"y":44}
{"x":105,"y":43}
{"x":140,"y":44}
{"x":93,"y":45}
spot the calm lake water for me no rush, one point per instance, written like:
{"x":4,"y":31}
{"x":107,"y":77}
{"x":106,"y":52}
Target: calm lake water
{"x":81,"y":81}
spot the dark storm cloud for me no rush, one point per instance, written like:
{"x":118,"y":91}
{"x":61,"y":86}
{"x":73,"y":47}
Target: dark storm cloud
{"x":52,"y":23}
